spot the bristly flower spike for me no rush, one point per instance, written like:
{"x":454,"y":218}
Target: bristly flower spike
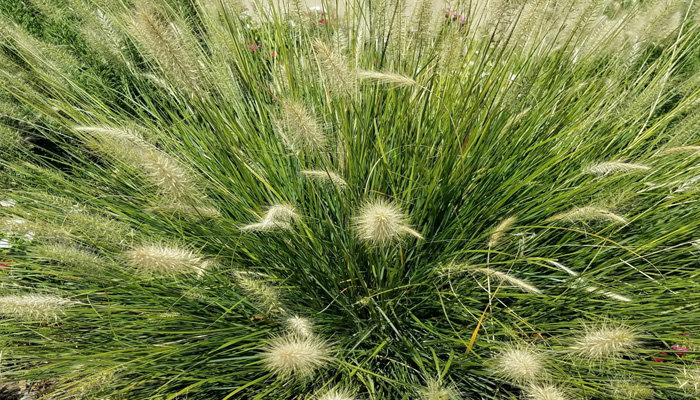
{"x":279,"y":216}
{"x":34,"y":307}
{"x":380,"y":223}
{"x":520,"y":364}
{"x":295,"y":356}
{"x":605,"y":341}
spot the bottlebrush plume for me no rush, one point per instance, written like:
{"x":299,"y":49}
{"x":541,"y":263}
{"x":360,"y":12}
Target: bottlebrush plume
{"x":545,"y":392}
{"x":128,"y":146}
{"x":380,"y":222}
{"x":69,"y":255}
{"x":258,"y":288}
{"x":113,"y":134}
{"x":631,"y":390}
{"x":171,"y":178}
{"x":689,"y":380}
{"x":613,"y":168}
{"x":435,"y":391}
{"x":94,"y":227}
{"x":300,"y":129}
{"x":159,"y":259}
{"x":605,"y":341}
{"x":591,"y":289}
{"x":34,"y":307}
{"x":328,"y":176}
{"x":336,"y":395}
{"x":163,"y":41}
{"x":500,"y":230}
{"x":186,"y":210}
{"x":123,"y":144}
{"x":509,"y":279}
{"x":678,"y":150}
{"x":588,"y":214}
{"x":8,"y":203}
{"x":295,"y":356}
{"x":279,"y":216}
{"x":520,"y":364}
{"x":607,"y":294}
{"x":387,"y":78}
{"x":338,"y":77}
{"x":300,"y":326}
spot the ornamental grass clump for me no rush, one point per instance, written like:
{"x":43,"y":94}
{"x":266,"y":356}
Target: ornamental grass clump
{"x":365,"y":201}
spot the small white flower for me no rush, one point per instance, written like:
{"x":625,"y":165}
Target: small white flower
{"x":5,"y":244}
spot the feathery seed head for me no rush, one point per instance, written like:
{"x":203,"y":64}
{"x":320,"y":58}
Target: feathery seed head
{"x":123,"y":144}
{"x":292,"y":355}
{"x":509,"y":279}
{"x":678,"y":150}
{"x":112,"y":135}
{"x":7,"y":203}
{"x":164,"y":42}
{"x":158,"y":259}
{"x":186,"y":210}
{"x":300,"y":326}
{"x":128,"y":146}
{"x":689,"y":380}
{"x":257,"y":287}
{"x":386,"y":78}
{"x":631,"y":390}
{"x":339,"y":79}
{"x":500,"y":230}
{"x":336,"y":395}
{"x":10,"y":139}
{"x":279,"y":216}
{"x":588,"y":214}
{"x":300,"y":129}
{"x":328,"y":176}
{"x":96,"y":227}
{"x":380,"y":222}
{"x":168,"y":175}
{"x":545,"y":392}
{"x":435,"y":391}
{"x":68,"y":255}
{"x":613,"y":168}
{"x":608,"y":340}
{"x":34,"y":307}
{"x":610,"y":295}
{"x":520,"y":364}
